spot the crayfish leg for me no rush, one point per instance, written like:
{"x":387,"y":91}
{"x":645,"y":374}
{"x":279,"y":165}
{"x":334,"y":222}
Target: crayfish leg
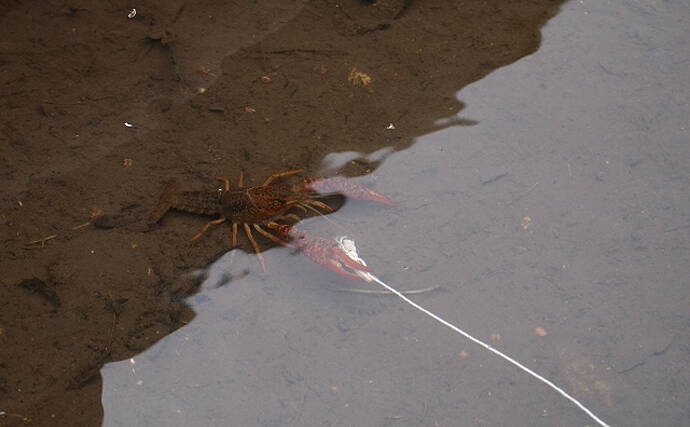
{"x":256,"y":247}
{"x":289,"y":216}
{"x":234,"y":235}
{"x":310,"y":206}
{"x":321,"y":205}
{"x":226,"y":181}
{"x":207,"y":226}
{"x":301,"y":206}
{"x":270,"y":236}
{"x":281,"y":174}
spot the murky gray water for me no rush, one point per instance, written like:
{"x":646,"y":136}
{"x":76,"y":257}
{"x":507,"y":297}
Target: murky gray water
{"x":565,"y":208}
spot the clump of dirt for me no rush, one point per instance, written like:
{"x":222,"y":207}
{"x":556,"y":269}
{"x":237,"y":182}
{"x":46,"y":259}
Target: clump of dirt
{"x":100,"y":110}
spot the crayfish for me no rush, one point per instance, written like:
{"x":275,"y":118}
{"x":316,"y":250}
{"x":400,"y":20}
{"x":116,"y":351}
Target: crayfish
{"x":271,"y":207}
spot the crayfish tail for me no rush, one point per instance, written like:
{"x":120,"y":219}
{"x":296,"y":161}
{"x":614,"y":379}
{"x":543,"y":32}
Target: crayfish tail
{"x":165,"y":203}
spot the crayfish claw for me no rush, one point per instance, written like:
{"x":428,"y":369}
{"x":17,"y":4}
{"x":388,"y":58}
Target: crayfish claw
{"x":328,"y":254}
{"x":340,"y":185}
{"x":338,"y":269}
{"x":351,"y":263}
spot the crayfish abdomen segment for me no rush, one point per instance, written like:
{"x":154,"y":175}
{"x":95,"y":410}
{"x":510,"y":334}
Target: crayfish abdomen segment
{"x":198,"y":202}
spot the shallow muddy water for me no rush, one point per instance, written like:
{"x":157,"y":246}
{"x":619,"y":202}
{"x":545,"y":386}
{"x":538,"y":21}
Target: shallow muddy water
{"x":542,"y":204}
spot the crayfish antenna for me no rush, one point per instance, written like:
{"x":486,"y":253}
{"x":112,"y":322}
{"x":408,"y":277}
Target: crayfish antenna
{"x":321,"y":205}
{"x":321,"y":214}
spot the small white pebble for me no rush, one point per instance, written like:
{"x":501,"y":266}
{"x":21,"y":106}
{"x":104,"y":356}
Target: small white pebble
{"x":132,"y":13}
{"x":129,"y":125}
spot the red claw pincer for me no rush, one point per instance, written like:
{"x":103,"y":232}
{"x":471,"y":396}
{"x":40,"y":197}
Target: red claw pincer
{"x":322,"y":251}
{"x":327,"y":253}
{"x":345,"y":187}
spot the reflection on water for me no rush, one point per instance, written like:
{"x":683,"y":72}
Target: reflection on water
{"x":557,"y":228}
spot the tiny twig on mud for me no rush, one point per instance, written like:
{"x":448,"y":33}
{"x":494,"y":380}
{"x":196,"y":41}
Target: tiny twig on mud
{"x":95,"y":214}
{"x":43,"y":240}
{"x":77,"y":227}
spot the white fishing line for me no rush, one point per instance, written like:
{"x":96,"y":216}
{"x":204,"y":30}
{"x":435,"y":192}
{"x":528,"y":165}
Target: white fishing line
{"x":348,"y":245}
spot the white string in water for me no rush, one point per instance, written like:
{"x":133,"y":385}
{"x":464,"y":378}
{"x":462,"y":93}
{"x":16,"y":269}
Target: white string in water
{"x":348,"y":245}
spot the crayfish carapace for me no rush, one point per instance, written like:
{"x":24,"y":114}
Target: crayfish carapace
{"x":271,"y":207}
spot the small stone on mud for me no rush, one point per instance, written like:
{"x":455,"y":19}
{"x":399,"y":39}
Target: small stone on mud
{"x":107,"y":221}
